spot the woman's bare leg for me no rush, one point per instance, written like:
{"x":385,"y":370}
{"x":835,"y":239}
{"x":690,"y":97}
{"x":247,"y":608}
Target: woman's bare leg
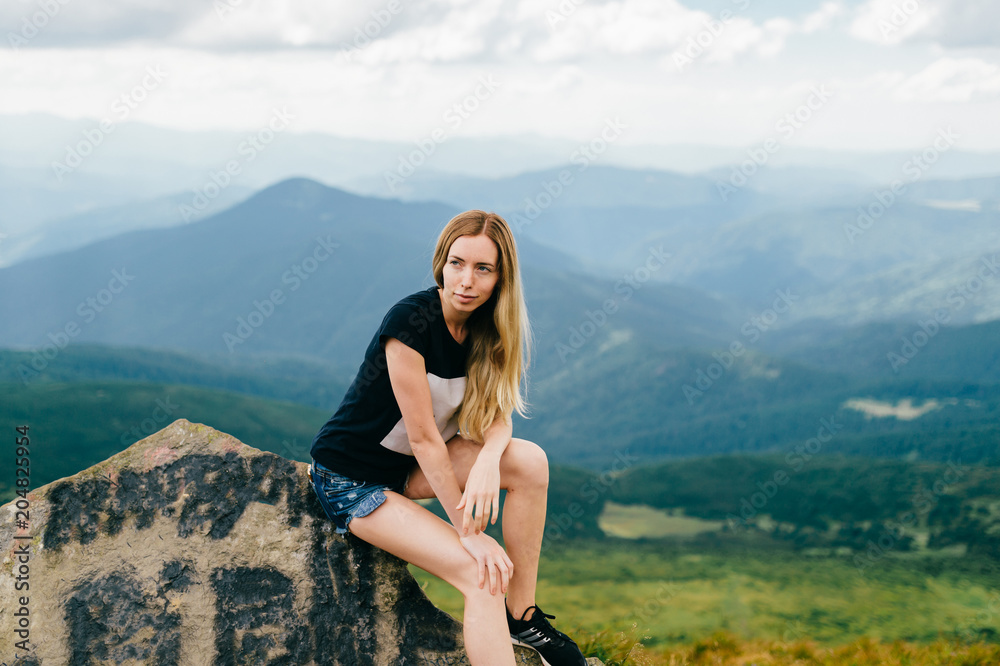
{"x":524,"y":473}
{"x":414,"y":534}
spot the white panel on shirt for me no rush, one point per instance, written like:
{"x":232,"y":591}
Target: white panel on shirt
{"x":446,"y":396}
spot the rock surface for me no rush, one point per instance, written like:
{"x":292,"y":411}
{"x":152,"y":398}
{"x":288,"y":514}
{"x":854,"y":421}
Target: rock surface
{"x":191,"y":547}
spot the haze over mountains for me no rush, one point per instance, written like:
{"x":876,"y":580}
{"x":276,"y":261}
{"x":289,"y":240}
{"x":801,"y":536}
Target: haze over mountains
{"x":136,"y":163}
{"x":670,"y":321}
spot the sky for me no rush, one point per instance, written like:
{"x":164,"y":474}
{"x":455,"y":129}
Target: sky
{"x":868,"y":75}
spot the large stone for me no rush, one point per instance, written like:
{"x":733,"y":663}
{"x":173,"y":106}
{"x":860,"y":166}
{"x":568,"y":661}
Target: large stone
{"x":191,"y":547}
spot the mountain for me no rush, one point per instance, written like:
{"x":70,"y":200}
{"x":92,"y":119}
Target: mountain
{"x":96,"y":419}
{"x":969,"y":193}
{"x":851,"y":251}
{"x":578,"y":183}
{"x":307,"y":270}
{"x":35,"y":140}
{"x":683,"y":403}
{"x":33,"y":196}
{"x":955,"y":290}
{"x":902,"y":265}
{"x":845,"y":270}
{"x":591,"y":400}
{"x":305,"y":381}
{"x":47,"y":236}
{"x":904,"y":350}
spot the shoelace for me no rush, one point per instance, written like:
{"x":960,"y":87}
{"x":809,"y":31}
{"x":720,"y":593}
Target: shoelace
{"x":540,"y":621}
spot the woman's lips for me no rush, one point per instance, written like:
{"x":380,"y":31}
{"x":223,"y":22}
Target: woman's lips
{"x":465,"y":298}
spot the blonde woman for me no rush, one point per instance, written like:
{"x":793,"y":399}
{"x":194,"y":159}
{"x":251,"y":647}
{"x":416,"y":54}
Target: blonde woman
{"x":429,"y":415}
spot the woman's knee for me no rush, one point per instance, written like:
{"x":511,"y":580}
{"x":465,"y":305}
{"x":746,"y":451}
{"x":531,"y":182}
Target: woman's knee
{"x":466,"y":581}
{"x":528,"y":464}
{"x":481,"y":595}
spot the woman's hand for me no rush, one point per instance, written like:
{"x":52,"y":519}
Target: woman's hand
{"x":491,"y":559}
{"x":482,"y":491}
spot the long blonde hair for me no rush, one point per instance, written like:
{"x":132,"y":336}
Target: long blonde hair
{"x":498,"y":330}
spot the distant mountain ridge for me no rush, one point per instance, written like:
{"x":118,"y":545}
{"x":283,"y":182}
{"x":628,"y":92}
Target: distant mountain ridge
{"x":279,"y":272}
{"x":303,"y":272}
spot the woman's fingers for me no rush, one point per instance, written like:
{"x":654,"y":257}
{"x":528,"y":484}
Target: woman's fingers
{"x":481,"y":519}
{"x":477,"y":512}
{"x":482,"y":573}
{"x":493,"y":577}
{"x":469,"y":518}
{"x":494,"y":564}
{"x":489,"y":510}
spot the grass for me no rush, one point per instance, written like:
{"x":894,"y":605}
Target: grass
{"x":694,"y":604}
{"x":723,"y":648}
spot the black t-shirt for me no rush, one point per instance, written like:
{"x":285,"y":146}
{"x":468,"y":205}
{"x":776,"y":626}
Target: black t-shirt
{"x":366,"y":439}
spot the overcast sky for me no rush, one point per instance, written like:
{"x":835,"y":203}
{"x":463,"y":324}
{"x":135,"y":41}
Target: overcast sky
{"x":877,"y":74}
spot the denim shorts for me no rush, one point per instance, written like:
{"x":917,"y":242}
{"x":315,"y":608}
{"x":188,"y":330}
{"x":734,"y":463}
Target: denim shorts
{"x":344,"y":499}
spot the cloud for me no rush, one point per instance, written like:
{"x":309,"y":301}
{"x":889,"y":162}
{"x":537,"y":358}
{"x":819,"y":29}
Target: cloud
{"x":821,"y":18}
{"x":667,"y":28}
{"x":891,"y":21}
{"x":967,"y":23}
{"x":408,"y":31}
{"x":949,"y":23}
{"x":955,"y":80}
{"x":82,"y":24}
{"x":229,"y":24}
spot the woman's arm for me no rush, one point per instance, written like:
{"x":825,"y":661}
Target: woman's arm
{"x":408,"y":377}
{"x":482,"y":488}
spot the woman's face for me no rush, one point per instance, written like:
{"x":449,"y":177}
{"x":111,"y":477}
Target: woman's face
{"x":470,"y":272}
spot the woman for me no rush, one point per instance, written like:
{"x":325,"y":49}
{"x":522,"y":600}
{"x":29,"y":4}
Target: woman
{"x":429,"y":415}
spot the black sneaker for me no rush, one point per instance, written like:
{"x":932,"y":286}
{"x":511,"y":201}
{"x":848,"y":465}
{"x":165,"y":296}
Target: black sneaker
{"x":555,"y":647}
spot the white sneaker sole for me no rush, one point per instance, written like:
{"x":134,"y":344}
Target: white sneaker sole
{"x":517,"y":642}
